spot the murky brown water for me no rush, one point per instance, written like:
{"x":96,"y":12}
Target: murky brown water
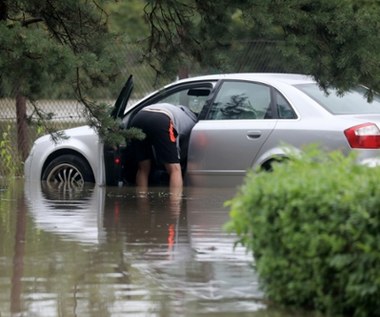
{"x":110,"y":252}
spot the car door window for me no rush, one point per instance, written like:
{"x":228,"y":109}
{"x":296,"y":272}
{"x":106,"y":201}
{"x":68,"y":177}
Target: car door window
{"x":193,"y":98}
{"x":241,"y":100}
{"x":284,"y":109}
{"x":189,"y":95}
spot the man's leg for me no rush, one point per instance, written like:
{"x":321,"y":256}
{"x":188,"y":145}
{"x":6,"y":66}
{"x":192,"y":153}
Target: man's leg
{"x":175,"y":176}
{"x":142,"y":176}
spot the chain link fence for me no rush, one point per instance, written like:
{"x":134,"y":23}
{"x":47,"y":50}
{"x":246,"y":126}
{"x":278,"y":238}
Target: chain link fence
{"x":62,"y":114}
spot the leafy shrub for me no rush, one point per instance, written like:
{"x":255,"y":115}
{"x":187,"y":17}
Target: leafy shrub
{"x":10,"y":162}
{"x":313,"y":225}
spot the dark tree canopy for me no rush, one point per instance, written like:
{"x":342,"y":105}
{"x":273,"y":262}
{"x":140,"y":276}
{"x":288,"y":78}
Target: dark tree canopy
{"x":337,"y":41}
{"x":45,"y":42}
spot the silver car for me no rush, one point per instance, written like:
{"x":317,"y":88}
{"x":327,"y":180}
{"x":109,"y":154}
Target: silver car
{"x":244,"y":121}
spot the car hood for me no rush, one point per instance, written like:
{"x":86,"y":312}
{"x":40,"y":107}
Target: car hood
{"x":68,"y":133}
{"x":82,"y":130}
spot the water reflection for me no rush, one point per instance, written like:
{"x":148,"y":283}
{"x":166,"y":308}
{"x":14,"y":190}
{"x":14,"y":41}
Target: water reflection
{"x":118,"y":252}
{"x":71,"y":214}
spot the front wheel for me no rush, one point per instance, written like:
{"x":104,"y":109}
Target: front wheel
{"x":68,"y":170}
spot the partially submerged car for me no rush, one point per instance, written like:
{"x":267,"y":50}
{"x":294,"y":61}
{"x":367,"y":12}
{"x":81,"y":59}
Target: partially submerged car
{"x":244,"y":120}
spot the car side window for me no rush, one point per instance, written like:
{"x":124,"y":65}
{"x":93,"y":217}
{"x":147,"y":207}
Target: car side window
{"x":193,"y":98}
{"x":284,"y":109}
{"x":241,"y":100}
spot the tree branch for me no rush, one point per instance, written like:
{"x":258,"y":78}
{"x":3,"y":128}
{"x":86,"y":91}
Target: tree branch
{"x":31,"y":21}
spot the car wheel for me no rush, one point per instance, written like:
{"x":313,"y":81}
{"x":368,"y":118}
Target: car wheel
{"x":68,"y":170}
{"x":268,"y":166}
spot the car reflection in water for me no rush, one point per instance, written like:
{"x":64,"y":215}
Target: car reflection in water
{"x":176,"y":248}
{"x":73,"y":214}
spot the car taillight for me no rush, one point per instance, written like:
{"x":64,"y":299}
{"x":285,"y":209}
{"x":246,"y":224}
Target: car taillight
{"x":363,"y":136}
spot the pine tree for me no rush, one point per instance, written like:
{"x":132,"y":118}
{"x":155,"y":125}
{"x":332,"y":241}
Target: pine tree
{"x":47,"y":44}
{"x":336,"y":41}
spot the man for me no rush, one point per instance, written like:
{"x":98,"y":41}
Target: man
{"x":164,"y":126}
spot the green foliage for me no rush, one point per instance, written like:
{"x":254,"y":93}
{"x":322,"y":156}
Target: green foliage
{"x":313,"y":225}
{"x":45,"y":45}
{"x":59,"y":49}
{"x":336,"y":41}
{"x":10,"y":161}
{"x":111,"y":131}
{"x":127,"y":18}
{"x":189,"y":36}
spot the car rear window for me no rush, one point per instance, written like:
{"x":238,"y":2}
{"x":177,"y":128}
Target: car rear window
{"x":354,"y":101}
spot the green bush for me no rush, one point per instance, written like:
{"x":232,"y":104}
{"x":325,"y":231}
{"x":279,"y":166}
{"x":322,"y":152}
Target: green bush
{"x":10,"y":161}
{"x":313,"y":225}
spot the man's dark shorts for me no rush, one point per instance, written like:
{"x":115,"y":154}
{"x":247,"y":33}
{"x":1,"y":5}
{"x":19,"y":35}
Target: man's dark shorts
{"x":160,"y":134}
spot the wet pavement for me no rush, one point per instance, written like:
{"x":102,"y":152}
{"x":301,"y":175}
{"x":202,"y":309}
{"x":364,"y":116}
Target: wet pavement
{"x":108,"y":251}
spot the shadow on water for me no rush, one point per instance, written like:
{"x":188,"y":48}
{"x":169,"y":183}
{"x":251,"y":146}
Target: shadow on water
{"x":116,"y":252}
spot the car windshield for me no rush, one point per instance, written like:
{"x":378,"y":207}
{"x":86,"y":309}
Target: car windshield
{"x":353,"y":101}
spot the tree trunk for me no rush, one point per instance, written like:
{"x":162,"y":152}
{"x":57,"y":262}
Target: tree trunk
{"x":22,"y":127}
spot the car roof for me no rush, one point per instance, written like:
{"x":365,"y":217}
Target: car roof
{"x":267,"y":78}
{"x":287,"y":78}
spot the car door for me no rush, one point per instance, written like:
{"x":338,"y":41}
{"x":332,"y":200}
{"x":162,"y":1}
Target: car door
{"x":113,"y":157}
{"x":122,"y":99}
{"x":192,"y":95}
{"x":225,"y":142}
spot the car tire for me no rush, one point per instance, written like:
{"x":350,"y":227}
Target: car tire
{"x":68,"y":170}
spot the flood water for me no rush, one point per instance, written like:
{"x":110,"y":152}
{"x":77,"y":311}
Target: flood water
{"x":108,"y":251}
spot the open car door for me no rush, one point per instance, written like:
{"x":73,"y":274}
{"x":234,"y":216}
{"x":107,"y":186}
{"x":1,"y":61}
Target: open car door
{"x":113,"y":160}
{"x":122,"y":100}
